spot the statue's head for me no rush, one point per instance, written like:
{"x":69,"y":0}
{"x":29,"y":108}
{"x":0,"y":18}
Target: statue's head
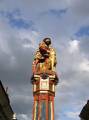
{"x":47,"y":41}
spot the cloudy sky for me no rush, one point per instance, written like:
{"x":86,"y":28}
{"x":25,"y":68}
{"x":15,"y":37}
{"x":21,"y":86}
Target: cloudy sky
{"x":23,"y":24}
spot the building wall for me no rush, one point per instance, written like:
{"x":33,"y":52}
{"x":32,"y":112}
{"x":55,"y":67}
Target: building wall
{"x":6,"y":111}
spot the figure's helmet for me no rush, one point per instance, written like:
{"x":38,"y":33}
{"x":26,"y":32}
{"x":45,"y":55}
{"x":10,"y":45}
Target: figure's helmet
{"x":47,"y":41}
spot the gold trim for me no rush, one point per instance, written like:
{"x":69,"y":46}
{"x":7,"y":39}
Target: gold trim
{"x":35,"y":104}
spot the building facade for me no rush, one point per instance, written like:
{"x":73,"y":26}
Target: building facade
{"x":6,"y":112}
{"x":84,"y":114}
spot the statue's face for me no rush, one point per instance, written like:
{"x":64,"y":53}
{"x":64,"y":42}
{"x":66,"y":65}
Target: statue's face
{"x":48,"y":42}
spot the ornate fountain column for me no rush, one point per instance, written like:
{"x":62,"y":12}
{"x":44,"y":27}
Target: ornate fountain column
{"x":44,"y":80}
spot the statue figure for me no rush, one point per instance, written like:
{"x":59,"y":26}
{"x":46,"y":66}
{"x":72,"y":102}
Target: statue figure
{"x":44,"y":81}
{"x":45,"y":58}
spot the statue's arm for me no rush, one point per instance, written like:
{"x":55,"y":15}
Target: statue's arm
{"x":35,"y":61}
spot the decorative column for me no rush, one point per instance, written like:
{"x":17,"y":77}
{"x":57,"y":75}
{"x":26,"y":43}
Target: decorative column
{"x":44,"y":93}
{"x":44,"y":80}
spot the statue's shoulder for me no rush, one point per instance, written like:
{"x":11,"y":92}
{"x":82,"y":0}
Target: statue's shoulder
{"x":52,"y":49}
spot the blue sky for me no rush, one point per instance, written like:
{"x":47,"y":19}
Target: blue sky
{"x":83,"y":31}
{"x":23,"y":24}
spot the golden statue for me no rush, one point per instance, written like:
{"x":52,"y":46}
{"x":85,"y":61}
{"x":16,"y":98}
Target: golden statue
{"x":44,"y":81}
{"x":45,"y":58}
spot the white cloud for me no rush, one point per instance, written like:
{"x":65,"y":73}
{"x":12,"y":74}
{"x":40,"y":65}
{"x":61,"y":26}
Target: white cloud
{"x":74,"y":79}
{"x":28,"y":38}
{"x":23,"y":117}
{"x":73,"y":46}
{"x":73,"y":115}
{"x":3,"y":44}
{"x":13,"y":61}
{"x":84,"y":65}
